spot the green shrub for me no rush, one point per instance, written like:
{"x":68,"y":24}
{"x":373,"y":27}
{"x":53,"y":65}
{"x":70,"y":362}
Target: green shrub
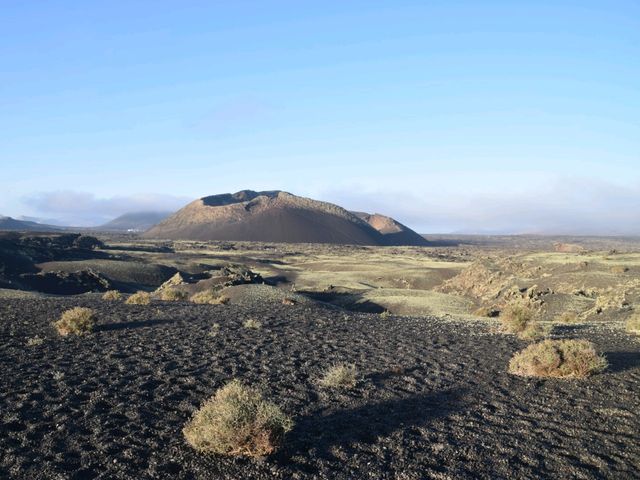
{"x":237,"y":421}
{"x":139,"y":298}
{"x":558,"y":358}
{"x":209,"y":297}
{"x":342,"y":375}
{"x":77,"y":321}
{"x":112,"y":295}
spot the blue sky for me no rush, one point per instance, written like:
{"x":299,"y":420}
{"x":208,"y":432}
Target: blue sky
{"x":475,"y":116}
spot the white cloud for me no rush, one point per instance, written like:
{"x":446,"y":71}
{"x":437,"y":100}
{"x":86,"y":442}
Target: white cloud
{"x":85,"y":209}
{"x":560,"y":206}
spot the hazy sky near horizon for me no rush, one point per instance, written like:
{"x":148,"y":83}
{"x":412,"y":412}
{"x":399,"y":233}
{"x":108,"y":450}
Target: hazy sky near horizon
{"x":452,"y":116}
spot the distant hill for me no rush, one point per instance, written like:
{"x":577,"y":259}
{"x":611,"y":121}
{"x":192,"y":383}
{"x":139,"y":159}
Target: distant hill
{"x":134,"y":222}
{"x":8,"y":223}
{"x":394,"y":232}
{"x":270,"y":216}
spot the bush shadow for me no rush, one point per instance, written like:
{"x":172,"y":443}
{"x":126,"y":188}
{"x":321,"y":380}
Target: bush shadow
{"x":622,"y":361}
{"x":323,"y":433}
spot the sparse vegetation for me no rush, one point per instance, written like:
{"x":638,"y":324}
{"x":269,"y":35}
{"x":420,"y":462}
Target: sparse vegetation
{"x":342,"y":375}
{"x":237,"y":421}
{"x":516,"y":316}
{"x":215,"y":330}
{"x":35,"y":341}
{"x":139,"y":298}
{"x":112,"y":295}
{"x":173,"y":295}
{"x":559,"y":359}
{"x":633,"y":324}
{"x":77,"y":321}
{"x":253,"y":324}
{"x":209,"y":297}
{"x":384,"y":315}
{"x":567,"y":318}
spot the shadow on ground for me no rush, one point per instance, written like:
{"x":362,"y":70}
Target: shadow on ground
{"x":320,"y":435}
{"x":622,"y":361}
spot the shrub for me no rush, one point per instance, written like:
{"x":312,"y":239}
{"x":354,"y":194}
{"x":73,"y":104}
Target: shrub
{"x":139,"y":298}
{"x":252,"y":324}
{"x":215,"y":330}
{"x":342,"y":375}
{"x":386,"y":314}
{"x":533,"y":331}
{"x":515,"y":317}
{"x":112,"y":295}
{"x":619,"y":269}
{"x":172,"y":295}
{"x":237,"y":421}
{"x":633,"y":324}
{"x":35,"y":341}
{"x":558,"y":358}
{"x":77,"y":321}
{"x":209,"y":297}
{"x":567,"y":317}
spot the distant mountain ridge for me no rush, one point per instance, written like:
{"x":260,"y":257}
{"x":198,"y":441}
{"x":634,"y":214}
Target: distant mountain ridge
{"x":9,"y":223}
{"x":270,"y":216}
{"x":134,"y":221}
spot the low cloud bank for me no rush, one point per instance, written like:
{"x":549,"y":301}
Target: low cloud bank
{"x":567,"y":206}
{"x":85,"y":209}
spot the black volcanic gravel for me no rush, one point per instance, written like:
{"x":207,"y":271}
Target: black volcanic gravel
{"x":433,"y":400}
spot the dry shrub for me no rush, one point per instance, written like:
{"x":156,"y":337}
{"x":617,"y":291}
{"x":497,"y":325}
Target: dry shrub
{"x":633,"y":324}
{"x":386,"y":314}
{"x":172,"y":295}
{"x":139,"y":298}
{"x":534,"y":331}
{"x":252,"y":324}
{"x":112,"y":295}
{"x":567,"y":317}
{"x":619,"y":269}
{"x":77,"y":321}
{"x":237,"y":421}
{"x":516,"y":316}
{"x":209,"y":297}
{"x":342,"y":375}
{"x":559,"y":359}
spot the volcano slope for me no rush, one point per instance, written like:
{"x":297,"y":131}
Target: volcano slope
{"x":275,"y":216}
{"x":433,"y":398}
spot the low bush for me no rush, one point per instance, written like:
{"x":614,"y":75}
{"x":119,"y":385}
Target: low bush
{"x":252,"y":324}
{"x":633,"y":324}
{"x":209,"y":297}
{"x":172,"y":295}
{"x":237,"y":421}
{"x":112,"y":295}
{"x":139,"y":298}
{"x":515,"y":317}
{"x":567,"y":317}
{"x":559,"y":359}
{"x":342,"y":375}
{"x":77,"y":321}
